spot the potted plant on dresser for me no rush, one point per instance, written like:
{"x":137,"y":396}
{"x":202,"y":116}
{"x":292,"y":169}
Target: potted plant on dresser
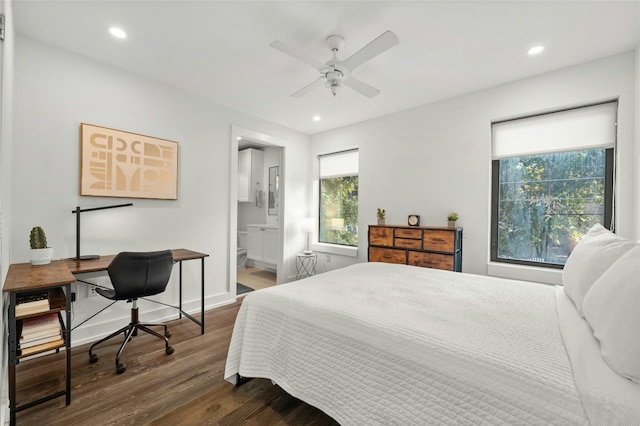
{"x":40,"y":253}
{"x":381,"y":214}
{"x":453,"y":216}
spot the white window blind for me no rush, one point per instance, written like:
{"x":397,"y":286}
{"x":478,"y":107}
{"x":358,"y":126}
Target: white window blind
{"x":580,"y":128}
{"x":339,"y":164}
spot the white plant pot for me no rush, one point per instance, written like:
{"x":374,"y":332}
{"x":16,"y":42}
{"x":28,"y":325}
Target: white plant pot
{"x":41,"y":256}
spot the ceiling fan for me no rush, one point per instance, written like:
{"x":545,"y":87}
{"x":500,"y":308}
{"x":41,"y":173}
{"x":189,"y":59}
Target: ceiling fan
{"x":336,"y":73}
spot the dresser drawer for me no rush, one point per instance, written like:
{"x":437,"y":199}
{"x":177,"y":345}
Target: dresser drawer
{"x":407,"y":243}
{"x":431,"y":260}
{"x":437,"y":240}
{"x":381,"y":236}
{"x":408,"y":233}
{"x":387,"y":255}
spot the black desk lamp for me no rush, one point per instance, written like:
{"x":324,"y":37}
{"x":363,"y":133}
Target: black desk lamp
{"x":77,"y":212}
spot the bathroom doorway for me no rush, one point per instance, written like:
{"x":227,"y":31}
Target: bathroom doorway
{"x":255,"y":226}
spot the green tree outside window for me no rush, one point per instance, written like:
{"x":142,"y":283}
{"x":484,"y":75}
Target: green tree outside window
{"x":339,"y":210}
{"x":547,"y":202}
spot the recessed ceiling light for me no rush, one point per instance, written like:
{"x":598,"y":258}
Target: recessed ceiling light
{"x":317,"y":118}
{"x":117,"y":32}
{"x":535,"y":50}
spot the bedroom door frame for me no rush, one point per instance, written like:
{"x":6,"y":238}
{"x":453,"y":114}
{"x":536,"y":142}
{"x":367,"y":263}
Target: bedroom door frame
{"x":238,"y":132}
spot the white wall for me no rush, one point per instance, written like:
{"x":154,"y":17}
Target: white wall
{"x":55,"y":91}
{"x":637,"y":156}
{"x":6,"y":138}
{"x":435,"y":159}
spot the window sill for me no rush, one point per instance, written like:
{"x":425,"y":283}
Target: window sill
{"x":525,"y":273}
{"x":335,"y":249}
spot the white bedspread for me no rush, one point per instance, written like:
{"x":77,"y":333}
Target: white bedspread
{"x":382,"y":344}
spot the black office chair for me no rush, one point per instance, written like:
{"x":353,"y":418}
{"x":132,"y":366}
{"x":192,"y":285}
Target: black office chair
{"x":134,"y":275}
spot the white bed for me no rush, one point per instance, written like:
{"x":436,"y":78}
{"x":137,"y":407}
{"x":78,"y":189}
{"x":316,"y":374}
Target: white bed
{"x":383,"y":344}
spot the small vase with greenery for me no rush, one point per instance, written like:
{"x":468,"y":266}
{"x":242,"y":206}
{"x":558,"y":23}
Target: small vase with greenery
{"x":453,"y":216}
{"x":382,"y":214}
{"x":41,"y":254}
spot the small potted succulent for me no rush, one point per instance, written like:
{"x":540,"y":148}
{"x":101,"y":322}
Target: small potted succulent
{"x":41,"y":254}
{"x":382,"y":214}
{"x":453,"y":216}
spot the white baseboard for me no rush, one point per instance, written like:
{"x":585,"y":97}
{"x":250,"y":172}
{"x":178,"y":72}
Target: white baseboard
{"x":91,"y":332}
{"x":262,"y":265}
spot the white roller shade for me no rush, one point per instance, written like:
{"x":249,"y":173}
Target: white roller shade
{"x":581,"y":128}
{"x":339,"y":164}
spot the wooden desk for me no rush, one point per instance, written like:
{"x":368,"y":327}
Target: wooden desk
{"x":179,"y":255}
{"x":24,"y":277}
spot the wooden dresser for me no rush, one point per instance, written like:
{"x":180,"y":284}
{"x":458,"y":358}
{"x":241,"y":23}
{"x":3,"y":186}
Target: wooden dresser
{"x":425,"y":246}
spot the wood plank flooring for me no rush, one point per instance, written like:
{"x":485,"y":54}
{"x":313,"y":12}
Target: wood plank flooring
{"x":186,"y":388}
{"x":256,"y":278}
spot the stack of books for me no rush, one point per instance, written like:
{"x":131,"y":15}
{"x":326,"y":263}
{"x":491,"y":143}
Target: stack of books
{"x":40,"y":333}
{"x":32,"y":303}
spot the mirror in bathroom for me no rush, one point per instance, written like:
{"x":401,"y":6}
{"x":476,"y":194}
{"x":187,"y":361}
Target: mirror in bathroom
{"x":274,"y":187}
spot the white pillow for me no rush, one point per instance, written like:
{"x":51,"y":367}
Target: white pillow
{"x":612,"y":309}
{"x":597,"y":250}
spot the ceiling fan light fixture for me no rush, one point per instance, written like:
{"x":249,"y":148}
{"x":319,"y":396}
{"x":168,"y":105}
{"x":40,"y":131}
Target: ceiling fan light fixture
{"x":334,"y":77}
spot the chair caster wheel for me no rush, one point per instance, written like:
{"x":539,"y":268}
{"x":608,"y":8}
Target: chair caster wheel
{"x":121,"y":368}
{"x":167,"y":334}
{"x":169,"y":350}
{"x":93,"y":358}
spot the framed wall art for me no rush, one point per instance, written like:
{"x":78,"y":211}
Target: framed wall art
{"x":114,"y":163}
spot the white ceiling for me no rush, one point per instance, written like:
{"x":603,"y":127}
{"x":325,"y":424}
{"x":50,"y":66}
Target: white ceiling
{"x":220,"y":50}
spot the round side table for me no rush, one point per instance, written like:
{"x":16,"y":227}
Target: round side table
{"x":306,"y":265}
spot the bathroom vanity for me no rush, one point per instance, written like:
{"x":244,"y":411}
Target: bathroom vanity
{"x":262,"y":244}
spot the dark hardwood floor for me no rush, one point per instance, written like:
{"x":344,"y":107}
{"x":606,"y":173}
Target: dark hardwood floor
{"x":186,"y":388}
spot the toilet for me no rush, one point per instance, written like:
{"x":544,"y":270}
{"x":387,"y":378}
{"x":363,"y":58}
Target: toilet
{"x":242,"y":249}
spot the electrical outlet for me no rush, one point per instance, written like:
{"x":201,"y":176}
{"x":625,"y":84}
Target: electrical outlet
{"x":327,"y":258}
{"x":92,"y":291}
{"x":73,"y":296}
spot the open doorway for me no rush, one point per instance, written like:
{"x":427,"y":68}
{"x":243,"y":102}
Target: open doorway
{"x":255,"y":225}
{"x":258,"y":216}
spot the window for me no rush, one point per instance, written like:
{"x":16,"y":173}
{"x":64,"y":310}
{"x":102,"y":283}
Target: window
{"x":338,"y":216}
{"x":552,"y":179}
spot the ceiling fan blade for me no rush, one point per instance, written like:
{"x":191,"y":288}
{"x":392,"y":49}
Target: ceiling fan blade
{"x":384,"y":42}
{"x":306,"y":89}
{"x":361,"y":87}
{"x":278,"y":45}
